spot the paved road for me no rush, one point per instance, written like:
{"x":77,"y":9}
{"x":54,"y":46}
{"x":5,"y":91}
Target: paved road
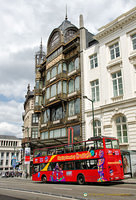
{"x":26,"y":189}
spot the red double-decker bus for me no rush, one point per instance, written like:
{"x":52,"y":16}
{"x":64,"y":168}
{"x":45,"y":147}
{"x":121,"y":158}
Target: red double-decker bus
{"x":95,"y":160}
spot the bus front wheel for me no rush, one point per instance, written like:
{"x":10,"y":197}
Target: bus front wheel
{"x":81,"y":179}
{"x":44,"y":179}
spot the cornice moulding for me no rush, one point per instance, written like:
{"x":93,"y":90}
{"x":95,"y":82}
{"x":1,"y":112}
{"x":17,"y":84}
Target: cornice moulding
{"x":116,"y":24}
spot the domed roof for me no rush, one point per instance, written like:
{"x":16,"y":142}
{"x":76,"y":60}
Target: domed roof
{"x":63,"y":33}
{"x":65,"y":25}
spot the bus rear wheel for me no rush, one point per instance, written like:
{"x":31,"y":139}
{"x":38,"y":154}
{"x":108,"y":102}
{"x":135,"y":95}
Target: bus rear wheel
{"x":81,"y":179}
{"x":44,"y":179}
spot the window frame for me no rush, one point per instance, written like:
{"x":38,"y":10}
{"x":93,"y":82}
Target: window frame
{"x":93,"y":61}
{"x":120,"y":127}
{"x":133,"y":40}
{"x":73,"y":104}
{"x":95,"y":91}
{"x":116,"y":79}
{"x":97,"y":127}
{"x":114,"y":50}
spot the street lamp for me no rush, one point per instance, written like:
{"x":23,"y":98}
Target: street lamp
{"x":85,"y":97}
{"x":27,"y":145}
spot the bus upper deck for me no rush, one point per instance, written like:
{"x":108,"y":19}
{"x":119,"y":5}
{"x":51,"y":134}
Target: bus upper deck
{"x":91,"y":144}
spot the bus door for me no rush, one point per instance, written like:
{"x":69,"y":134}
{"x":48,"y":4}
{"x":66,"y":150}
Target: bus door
{"x":126,"y":163}
{"x":114,"y":161}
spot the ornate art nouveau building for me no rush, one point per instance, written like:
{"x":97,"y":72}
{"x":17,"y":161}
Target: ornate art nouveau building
{"x":58,"y":85}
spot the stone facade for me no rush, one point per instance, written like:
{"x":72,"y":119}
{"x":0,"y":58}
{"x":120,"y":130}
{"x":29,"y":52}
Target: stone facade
{"x":9,"y":146}
{"x":110,"y":80}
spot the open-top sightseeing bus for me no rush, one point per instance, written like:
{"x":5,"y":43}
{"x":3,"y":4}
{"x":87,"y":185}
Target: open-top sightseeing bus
{"x":95,"y":160}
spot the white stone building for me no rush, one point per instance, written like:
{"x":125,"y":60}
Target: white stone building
{"x":9,"y":146}
{"x":109,"y":70}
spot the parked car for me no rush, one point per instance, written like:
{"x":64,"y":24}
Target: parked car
{"x":11,"y":174}
{"x":4,"y":175}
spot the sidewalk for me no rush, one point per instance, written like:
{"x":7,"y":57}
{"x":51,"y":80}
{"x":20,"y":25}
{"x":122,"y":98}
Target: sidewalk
{"x":129,"y":180}
{"x":23,"y":178}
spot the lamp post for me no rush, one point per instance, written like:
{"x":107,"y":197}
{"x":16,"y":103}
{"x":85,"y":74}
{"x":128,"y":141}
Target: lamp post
{"x":92,"y":101}
{"x":27,"y":144}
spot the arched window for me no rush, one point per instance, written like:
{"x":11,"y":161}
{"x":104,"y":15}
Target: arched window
{"x":121,"y":127}
{"x":97,"y":127}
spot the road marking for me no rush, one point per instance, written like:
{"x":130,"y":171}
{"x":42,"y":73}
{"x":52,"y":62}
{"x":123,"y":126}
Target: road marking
{"x":38,"y":193}
{"x":62,"y":188}
{"x":112,"y":188}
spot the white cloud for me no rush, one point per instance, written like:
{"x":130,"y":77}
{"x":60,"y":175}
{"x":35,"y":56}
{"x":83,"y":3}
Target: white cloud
{"x":10,"y":129}
{"x":11,"y":118}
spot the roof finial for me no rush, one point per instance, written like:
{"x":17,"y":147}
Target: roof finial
{"x":41,"y":49}
{"x":66,"y":13}
{"x":28,"y":88}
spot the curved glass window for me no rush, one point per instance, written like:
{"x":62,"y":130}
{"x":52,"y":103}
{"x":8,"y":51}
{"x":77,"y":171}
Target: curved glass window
{"x":48,"y":75}
{"x":46,"y":116}
{"x":58,"y":133}
{"x":59,"y":87}
{"x":53,"y":90}
{"x":59,"y":68}
{"x":51,"y":134}
{"x":64,"y":67}
{"x":44,"y":135}
{"x":63,"y":132}
{"x":71,"y":108}
{"x":54,"y":40}
{"x":77,"y":85}
{"x":77,"y":106}
{"x":48,"y":93}
{"x":53,"y":72}
{"x":36,"y":100}
{"x":69,"y":34}
{"x":74,"y":107}
{"x":77,"y":63}
{"x":71,"y":67}
{"x":64,"y":87}
{"x":71,"y":86}
{"x":38,"y":84}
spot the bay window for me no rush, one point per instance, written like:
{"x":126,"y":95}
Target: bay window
{"x":44,"y":135}
{"x":48,"y":75}
{"x":59,"y":88}
{"x":74,"y":107}
{"x":58,"y":133}
{"x":57,"y":113}
{"x":48,"y":93}
{"x":64,"y":67}
{"x":53,"y":90}
{"x":77,"y":63}
{"x":59,"y":68}
{"x":71,"y":86}
{"x":74,"y":85}
{"x":46,"y":116}
{"x":53,"y":72}
{"x":34,"y":133}
{"x":64,"y":87}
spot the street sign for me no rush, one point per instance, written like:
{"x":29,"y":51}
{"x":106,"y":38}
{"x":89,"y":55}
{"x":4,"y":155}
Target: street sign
{"x":14,"y":161}
{"x":27,"y":155}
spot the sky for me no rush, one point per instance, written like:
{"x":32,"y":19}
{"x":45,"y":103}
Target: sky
{"x":22,"y":25}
